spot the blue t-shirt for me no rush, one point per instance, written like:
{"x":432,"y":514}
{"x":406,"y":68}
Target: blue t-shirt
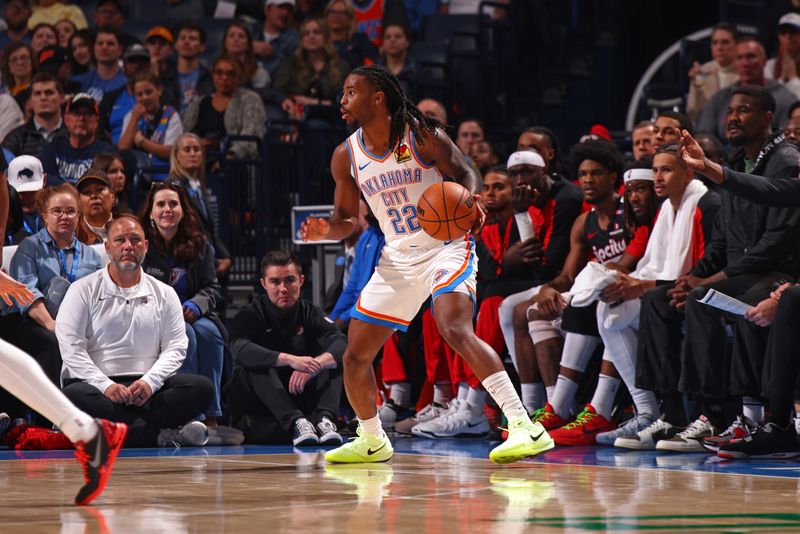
{"x":93,"y":84}
{"x":62,"y":163}
{"x":122,"y":105}
{"x":188,"y":83}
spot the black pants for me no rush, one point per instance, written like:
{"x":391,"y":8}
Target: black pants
{"x":697,"y":362}
{"x":705,"y":368}
{"x":781,"y":359}
{"x":182,"y":398}
{"x":26,"y":334}
{"x":263,"y":408}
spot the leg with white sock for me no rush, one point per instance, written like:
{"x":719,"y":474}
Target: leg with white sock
{"x":575,"y":356}
{"x":526,"y":365}
{"x":24,"y":378}
{"x":454,"y":317}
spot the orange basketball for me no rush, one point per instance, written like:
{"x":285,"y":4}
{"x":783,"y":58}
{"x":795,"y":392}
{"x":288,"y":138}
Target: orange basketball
{"x":446,"y":211}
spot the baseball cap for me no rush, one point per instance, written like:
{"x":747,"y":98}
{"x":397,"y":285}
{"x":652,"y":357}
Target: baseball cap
{"x":279,"y":3}
{"x":160,"y":31}
{"x":525,"y":157}
{"x":790,"y":19}
{"x":93,"y":175}
{"x":25,"y":174}
{"x":136,"y":50}
{"x":83,"y":99}
{"x":51,"y":58}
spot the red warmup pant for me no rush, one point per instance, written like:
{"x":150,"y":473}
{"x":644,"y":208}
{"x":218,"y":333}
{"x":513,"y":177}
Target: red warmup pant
{"x":437,"y":352}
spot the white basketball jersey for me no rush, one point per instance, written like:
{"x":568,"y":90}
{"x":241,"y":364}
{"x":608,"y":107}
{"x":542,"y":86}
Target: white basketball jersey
{"x":392,"y":184}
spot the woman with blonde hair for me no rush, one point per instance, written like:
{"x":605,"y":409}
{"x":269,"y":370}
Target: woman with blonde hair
{"x":353,"y":47}
{"x":188,"y":167}
{"x":313,"y":76}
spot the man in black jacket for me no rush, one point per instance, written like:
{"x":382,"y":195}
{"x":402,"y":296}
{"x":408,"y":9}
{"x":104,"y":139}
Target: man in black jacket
{"x":46,"y":123}
{"x":767,"y":337}
{"x":753,"y":250}
{"x":287,"y":362}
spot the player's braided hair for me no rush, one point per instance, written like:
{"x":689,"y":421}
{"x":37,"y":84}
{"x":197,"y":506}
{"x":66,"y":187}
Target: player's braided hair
{"x":403,"y":110}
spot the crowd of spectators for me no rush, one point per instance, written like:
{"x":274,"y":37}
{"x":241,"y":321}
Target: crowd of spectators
{"x":587,"y":254}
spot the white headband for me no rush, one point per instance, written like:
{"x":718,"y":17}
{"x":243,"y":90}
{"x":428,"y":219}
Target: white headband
{"x":638,"y":174}
{"x":525,"y":157}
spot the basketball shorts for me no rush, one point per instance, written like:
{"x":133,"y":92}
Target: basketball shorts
{"x":402,"y":282}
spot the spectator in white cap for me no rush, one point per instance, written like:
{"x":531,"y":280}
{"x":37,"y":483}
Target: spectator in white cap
{"x":785,"y":65}
{"x":26,"y":176}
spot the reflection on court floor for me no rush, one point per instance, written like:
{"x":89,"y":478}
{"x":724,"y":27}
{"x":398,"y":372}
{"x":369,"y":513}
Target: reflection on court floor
{"x":429,"y":486}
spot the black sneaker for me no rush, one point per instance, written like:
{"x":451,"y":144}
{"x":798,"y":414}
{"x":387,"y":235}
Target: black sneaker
{"x":328,"y":434}
{"x":304,"y":433}
{"x":768,"y":441}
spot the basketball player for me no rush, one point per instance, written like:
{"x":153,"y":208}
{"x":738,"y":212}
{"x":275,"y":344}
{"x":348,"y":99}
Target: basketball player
{"x":97,"y":442}
{"x":395,"y":155}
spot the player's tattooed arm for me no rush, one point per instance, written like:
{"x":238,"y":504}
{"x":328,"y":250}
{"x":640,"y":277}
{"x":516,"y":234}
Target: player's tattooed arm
{"x":440,"y":149}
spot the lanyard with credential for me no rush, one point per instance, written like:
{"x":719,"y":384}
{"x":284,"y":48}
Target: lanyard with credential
{"x":63,"y":257}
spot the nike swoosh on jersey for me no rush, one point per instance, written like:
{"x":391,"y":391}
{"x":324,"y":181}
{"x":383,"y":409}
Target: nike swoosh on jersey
{"x":591,"y":236}
{"x":362,"y":167}
{"x":370,"y":452}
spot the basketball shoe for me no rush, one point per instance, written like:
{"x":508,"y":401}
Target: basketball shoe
{"x":431,"y":411}
{"x":194,"y":434}
{"x":97,"y":458}
{"x":690,"y":439}
{"x":584,"y":429}
{"x":741,"y":428}
{"x":547,"y":416}
{"x":365,"y":448}
{"x":628,"y":428}
{"x":524,"y":439}
{"x":647,"y":438}
{"x":769,"y":441}
{"x":389,"y":413}
{"x":460,"y":423}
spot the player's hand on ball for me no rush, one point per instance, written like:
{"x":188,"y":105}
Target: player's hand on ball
{"x":480,"y":215}
{"x":314,"y":229}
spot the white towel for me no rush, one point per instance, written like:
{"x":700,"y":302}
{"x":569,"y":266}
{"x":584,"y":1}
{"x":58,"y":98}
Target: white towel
{"x":669,"y":249}
{"x":590,"y":282}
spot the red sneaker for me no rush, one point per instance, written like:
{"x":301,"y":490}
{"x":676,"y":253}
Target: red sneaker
{"x":584,"y":429}
{"x":97,"y":458}
{"x":547,"y":417}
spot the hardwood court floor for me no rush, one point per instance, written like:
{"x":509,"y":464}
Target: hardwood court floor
{"x":429,"y":487}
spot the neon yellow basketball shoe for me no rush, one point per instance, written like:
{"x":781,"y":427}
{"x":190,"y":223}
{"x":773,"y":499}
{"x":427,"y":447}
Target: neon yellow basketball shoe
{"x":524,"y":439}
{"x":364,"y":449}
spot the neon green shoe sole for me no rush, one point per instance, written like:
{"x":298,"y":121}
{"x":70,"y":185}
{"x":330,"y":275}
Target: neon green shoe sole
{"x":363,"y":449}
{"x":525,"y":439}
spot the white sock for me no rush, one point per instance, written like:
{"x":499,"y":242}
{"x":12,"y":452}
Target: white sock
{"x":753,"y":409}
{"x":442,"y":393}
{"x":645,"y":401}
{"x":475,"y":399}
{"x":502,"y":391}
{"x":22,"y":376}
{"x":463,"y":391}
{"x":533,"y":396}
{"x":603,"y":400}
{"x":400,"y":393}
{"x":371,"y":426}
{"x":563,"y":396}
{"x":551,"y":390}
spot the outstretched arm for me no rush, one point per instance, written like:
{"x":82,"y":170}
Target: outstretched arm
{"x":345,"y":203}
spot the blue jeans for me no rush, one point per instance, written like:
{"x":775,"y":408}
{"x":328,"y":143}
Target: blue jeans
{"x":204,"y":357}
